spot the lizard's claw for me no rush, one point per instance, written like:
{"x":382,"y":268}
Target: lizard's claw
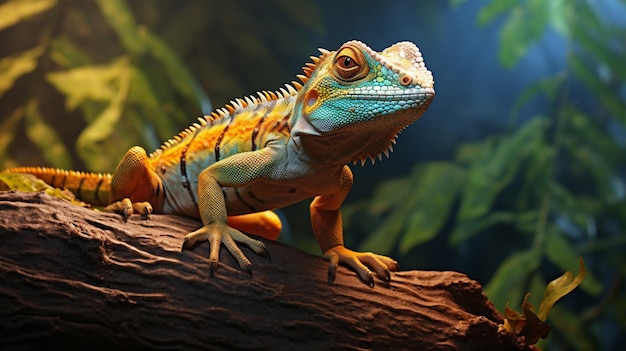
{"x":144,"y":208}
{"x":359,"y":262}
{"x":126,"y":208}
{"x":220,"y":233}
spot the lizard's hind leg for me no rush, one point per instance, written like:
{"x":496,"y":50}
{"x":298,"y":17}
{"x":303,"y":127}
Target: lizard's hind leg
{"x":135,"y":187}
{"x":266,"y":224}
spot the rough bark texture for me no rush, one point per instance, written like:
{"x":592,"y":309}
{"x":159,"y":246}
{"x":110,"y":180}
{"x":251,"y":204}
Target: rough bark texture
{"x":78,"y":279}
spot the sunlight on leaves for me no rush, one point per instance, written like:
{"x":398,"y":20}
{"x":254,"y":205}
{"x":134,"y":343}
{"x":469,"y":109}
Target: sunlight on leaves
{"x":97,"y":82}
{"x":14,"y":66}
{"x":14,"y":11}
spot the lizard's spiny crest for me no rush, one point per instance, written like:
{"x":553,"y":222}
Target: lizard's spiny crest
{"x":241,"y":103}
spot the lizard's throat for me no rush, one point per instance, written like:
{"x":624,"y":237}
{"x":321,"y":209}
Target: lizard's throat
{"x":342,"y":146}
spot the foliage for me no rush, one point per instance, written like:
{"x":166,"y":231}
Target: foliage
{"x":30,"y":183}
{"x":553,"y":185}
{"x":530,"y":325}
{"x":118,"y":66}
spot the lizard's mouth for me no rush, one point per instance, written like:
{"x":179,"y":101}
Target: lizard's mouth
{"x":355,"y":110}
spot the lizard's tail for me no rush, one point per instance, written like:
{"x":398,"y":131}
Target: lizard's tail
{"x":93,"y":188}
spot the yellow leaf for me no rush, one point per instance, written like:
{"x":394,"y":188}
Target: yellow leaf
{"x":12,"y":12}
{"x":30,"y":183}
{"x":15,"y":66}
{"x":96,"y":83}
{"x":558,"y":288}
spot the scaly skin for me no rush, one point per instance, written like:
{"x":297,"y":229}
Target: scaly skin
{"x":270,"y":151}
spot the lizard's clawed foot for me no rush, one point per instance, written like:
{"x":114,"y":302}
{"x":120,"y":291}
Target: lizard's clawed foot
{"x":220,"y":233}
{"x":126,"y":208}
{"x":359,"y":262}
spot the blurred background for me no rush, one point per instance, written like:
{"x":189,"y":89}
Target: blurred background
{"x":515,"y":171}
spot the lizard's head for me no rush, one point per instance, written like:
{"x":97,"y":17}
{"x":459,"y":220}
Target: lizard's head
{"x":355,"y":100}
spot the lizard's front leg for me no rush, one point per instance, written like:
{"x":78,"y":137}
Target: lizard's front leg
{"x":236,"y":170}
{"x":328,"y":229}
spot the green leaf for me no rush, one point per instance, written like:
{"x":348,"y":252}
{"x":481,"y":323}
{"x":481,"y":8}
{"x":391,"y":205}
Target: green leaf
{"x":176,"y":72}
{"x":495,"y":8}
{"x":22,"y":182}
{"x":456,"y":3}
{"x":473,"y":152}
{"x":579,"y":333}
{"x":96,"y":83}
{"x":524,"y":26}
{"x":467,"y":229}
{"x":143,"y":96}
{"x":559,"y":14}
{"x":14,"y":11}
{"x":30,"y":183}
{"x":489,"y":175}
{"x":89,"y":144}
{"x":384,"y":238}
{"x":549,"y":86}
{"x":581,"y":128}
{"x":390,"y":194}
{"x":46,"y":138}
{"x":15,"y":66}
{"x":560,"y":252}
{"x":510,"y":277}
{"x":7,"y":133}
{"x":438,"y":187}
{"x":607,"y":95}
{"x":67,"y":55}
{"x":120,"y":18}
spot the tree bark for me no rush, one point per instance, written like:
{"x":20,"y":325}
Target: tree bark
{"x":80,"y":279}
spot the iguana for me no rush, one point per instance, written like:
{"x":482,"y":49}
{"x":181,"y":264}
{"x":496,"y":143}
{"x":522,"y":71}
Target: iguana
{"x":268,"y":151}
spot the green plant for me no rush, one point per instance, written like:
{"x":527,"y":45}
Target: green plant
{"x":83,"y":81}
{"x":553,"y":185}
{"x":117,"y":92}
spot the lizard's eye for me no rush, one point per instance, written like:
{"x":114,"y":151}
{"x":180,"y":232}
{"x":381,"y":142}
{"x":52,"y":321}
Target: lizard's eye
{"x":349,"y":65}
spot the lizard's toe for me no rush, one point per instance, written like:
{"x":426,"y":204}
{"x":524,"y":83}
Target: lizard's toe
{"x":359,"y":262}
{"x":221,"y":234}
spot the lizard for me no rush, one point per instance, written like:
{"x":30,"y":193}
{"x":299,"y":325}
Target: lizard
{"x":259,"y":153}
